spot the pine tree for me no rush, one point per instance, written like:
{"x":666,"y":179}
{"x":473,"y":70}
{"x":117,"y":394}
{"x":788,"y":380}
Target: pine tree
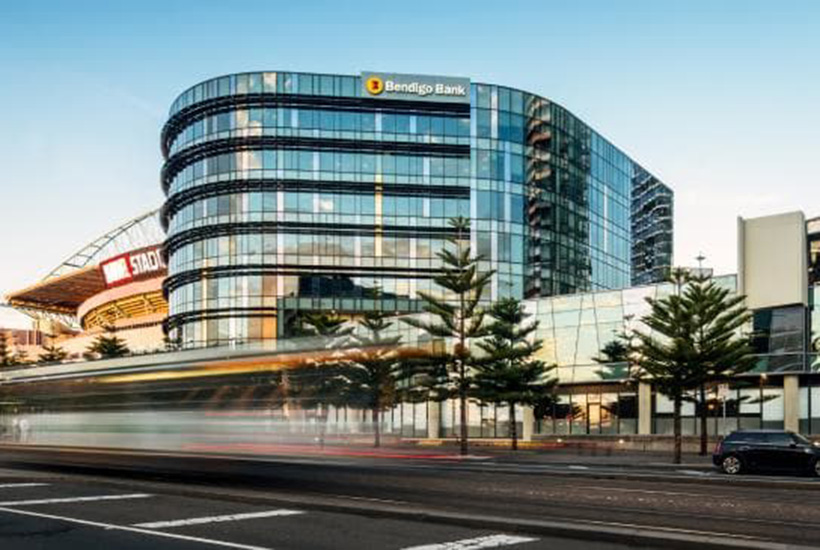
{"x":720,"y":352}
{"x":5,"y":352}
{"x":508,"y":374}
{"x":53,"y":354}
{"x":375,"y":367}
{"x":612,"y":356}
{"x":664,"y":356}
{"x":320,"y":383}
{"x":460,"y":316}
{"x":108,"y":345}
{"x":693,"y":340}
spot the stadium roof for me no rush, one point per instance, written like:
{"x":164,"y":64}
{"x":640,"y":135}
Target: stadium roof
{"x":62,"y":293}
{"x":140,"y":232}
{"x":79,"y":278}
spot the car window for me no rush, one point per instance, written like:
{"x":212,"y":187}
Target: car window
{"x":779,"y":439}
{"x":745,"y":437}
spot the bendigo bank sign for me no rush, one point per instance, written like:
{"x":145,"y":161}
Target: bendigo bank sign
{"x":133,"y":266}
{"x":446,"y":89}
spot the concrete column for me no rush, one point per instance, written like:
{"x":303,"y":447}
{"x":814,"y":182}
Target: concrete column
{"x":644,"y":408}
{"x":527,"y":423}
{"x":433,"y":419}
{"x":791,"y":402}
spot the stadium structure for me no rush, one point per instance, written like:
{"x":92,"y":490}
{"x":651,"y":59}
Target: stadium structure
{"x":112,"y":283}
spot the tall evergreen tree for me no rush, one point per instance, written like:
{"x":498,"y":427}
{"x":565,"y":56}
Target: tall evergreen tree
{"x":664,"y":356}
{"x":375,"y":367}
{"x":108,"y":345}
{"x":614,"y":351}
{"x":508,"y":374}
{"x":719,"y":350}
{"x":53,"y":354}
{"x":321,"y":325}
{"x":5,"y":351}
{"x":459,"y":315}
{"x":613,"y":356}
{"x":320,"y":383}
{"x":694,"y":340}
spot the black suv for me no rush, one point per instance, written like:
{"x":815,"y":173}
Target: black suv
{"x":772,"y":450}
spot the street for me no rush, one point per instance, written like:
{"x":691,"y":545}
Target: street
{"x":45,"y":515}
{"x":133,"y":500}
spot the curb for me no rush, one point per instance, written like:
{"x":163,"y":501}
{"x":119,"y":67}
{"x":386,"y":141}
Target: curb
{"x":672,"y":477}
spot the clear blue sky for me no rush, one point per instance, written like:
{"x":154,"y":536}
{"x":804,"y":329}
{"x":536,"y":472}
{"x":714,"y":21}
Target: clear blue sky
{"x":721,"y":99}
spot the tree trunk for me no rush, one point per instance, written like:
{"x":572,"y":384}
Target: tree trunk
{"x":377,"y":430}
{"x":462,"y":397}
{"x":513,"y":428}
{"x":704,"y":436}
{"x":677,"y":429}
{"x":323,"y":418}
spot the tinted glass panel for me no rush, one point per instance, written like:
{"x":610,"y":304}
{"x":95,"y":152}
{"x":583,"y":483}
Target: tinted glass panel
{"x":779,"y":439}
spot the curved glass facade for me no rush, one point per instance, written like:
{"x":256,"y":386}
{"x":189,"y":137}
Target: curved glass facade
{"x":289,"y":192}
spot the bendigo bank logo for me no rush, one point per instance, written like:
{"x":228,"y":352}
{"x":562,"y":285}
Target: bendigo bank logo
{"x":375,"y":85}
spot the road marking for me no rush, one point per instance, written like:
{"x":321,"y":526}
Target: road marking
{"x":15,"y":485}
{"x":490,"y":541}
{"x":369,"y":499}
{"x":692,"y":472}
{"x":216,"y":519}
{"x":643,"y":491}
{"x":577,"y":467}
{"x":112,"y":526}
{"x":73,"y":499}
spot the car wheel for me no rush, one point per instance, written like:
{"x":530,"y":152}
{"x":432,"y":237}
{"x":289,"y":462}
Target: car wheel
{"x":815,"y":468}
{"x":731,"y":465}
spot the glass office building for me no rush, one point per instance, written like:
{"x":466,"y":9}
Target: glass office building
{"x":596,"y":395}
{"x":291,"y":192}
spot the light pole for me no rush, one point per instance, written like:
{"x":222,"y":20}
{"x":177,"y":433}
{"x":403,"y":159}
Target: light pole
{"x":699,"y":258}
{"x":763,"y":377}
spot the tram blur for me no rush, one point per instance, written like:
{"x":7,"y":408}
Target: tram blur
{"x":247,"y":401}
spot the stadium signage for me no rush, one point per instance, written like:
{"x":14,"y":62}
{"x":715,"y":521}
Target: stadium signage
{"x":445,"y":89}
{"x":133,"y":266}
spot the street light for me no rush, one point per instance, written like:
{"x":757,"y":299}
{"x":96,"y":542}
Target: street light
{"x":700,"y":257}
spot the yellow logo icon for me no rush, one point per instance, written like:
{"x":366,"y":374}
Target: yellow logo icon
{"x":374,"y":85}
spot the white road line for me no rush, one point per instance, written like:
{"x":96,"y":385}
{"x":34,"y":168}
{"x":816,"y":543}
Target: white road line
{"x":216,"y":519}
{"x":577,"y":467}
{"x":15,"y":485}
{"x":133,"y":529}
{"x":490,"y":541}
{"x":644,"y":491}
{"x":73,"y":499}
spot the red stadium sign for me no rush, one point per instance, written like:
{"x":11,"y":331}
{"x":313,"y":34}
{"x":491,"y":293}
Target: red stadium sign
{"x":133,"y":266}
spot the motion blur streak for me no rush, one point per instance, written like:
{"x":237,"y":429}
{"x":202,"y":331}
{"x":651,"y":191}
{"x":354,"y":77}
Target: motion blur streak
{"x":256,"y":402}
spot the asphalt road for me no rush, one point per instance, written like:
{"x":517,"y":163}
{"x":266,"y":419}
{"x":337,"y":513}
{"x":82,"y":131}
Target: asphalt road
{"x":81,"y":515}
{"x":368,"y":503}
